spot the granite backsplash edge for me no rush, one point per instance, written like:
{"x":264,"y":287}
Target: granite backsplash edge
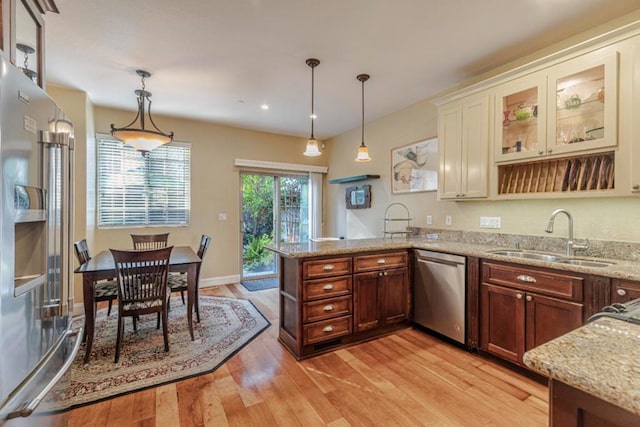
{"x":628,"y":251}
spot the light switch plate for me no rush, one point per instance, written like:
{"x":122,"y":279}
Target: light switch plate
{"x":447,"y":220}
{"x":429,"y":220}
{"x":222,"y":216}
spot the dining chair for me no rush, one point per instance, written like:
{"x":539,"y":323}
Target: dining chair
{"x":149,"y":241}
{"x":103,"y":290}
{"x":142,"y":287}
{"x":178,"y":281}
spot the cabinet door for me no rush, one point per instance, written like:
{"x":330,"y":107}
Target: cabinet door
{"x":475,"y":148}
{"x":396,"y":295}
{"x":623,"y":291}
{"x":548,"y":318}
{"x":366,"y":301}
{"x":583,"y":100}
{"x":450,"y":148}
{"x":520,"y":118}
{"x":502,"y":322}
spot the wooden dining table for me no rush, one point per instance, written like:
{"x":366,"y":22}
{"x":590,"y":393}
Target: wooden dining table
{"x":102,"y":267}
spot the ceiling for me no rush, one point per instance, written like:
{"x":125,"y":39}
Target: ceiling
{"x":220,"y":60}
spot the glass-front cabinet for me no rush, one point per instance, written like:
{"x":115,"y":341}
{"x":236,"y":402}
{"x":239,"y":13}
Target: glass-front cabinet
{"x":569,"y":107}
{"x":520,"y":112}
{"x":584,"y":92}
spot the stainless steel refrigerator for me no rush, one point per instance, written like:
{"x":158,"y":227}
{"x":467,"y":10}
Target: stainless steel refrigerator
{"x":36,"y":297}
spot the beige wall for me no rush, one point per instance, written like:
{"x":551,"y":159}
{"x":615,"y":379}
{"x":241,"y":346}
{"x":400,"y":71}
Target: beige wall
{"x":597,"y":218}
{"x":215,"y":181}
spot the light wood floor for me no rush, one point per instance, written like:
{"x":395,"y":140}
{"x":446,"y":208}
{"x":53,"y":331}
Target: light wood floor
{"x":405,"y":379}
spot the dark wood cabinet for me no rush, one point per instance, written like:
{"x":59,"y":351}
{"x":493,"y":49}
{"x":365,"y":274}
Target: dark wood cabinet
{"x":569,"y":406}
{"x":395,"y":307}
{"x":380,"y":298}
{"x":328,"y":302}
{"x":502,"y":322}
{"x":548,"y":318}
{"x":516,"y":316}
{"x":366,"y":310}
{"x":624,"y":290}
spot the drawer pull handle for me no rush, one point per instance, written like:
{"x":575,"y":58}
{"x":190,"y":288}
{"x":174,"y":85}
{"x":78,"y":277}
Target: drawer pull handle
{"x":525,"y":278}
{"x":328,"y":286}
{"x":519,"y":296}
{"x":328,"y":267}
{"x":328,"y":307}
{"x":327,"y":329}
{"x":621,"y":292}
{"x":382,"y":261}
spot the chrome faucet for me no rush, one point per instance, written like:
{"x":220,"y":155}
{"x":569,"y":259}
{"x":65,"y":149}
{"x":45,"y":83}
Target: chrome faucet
{"x":572,"y":246}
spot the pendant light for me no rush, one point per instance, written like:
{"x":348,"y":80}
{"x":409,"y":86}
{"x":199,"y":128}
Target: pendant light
{"x":142,"y":139}
{"x":363,"y":152}
{"x":312,"y":149}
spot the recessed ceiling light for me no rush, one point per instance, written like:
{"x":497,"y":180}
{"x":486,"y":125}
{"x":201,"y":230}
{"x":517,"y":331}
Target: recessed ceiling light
{"x":264,"y":106}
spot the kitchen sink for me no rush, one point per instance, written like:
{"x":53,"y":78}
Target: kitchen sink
{"x":529,"y":255}
{"x":551,"y":258}
{"x":586,"y":263}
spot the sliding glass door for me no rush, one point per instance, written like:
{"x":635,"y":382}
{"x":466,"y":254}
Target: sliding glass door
{"x":273,"y":206}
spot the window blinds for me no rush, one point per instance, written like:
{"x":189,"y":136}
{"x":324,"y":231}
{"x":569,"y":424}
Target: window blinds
{"x":136,"y":190}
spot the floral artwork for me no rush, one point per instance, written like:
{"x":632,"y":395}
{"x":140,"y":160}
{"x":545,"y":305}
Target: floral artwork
{"x":414,"y":167}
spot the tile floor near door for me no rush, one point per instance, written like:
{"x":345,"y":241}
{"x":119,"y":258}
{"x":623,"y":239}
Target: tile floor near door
{"x":405,"y":379}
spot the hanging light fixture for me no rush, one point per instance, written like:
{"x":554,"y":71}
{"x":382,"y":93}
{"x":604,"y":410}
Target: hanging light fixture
{"x":142,"y":139}
{"x":363,"y":152}
{"x":27,"y":50}
{"x":312,"y":149}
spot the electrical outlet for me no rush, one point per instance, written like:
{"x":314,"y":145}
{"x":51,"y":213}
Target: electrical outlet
{"x":222,"y":216}
{"x":447,"y":220}
{"x":429,"y":220}
{"x":490,"y":222}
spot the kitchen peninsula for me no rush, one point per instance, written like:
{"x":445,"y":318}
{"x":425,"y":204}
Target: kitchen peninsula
{"x":334,"y":293}
{"x":593,"y":373}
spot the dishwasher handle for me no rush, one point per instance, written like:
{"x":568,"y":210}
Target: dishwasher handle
{"x":440,"y":258}
{"x":439,"y":261}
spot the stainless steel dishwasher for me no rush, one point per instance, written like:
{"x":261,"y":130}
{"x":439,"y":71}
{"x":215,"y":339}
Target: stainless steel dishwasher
{"x":439,"y":293}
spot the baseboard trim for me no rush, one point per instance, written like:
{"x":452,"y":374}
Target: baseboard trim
{"x":220,"y":280}
{"x":209,"y":282}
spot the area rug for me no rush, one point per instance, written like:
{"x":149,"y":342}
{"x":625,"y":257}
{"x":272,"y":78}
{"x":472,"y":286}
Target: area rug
{"x":260,"y":284}
{"x":226,"y":326}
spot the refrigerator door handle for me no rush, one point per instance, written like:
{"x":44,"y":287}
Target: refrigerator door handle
{"x":28,"y":408}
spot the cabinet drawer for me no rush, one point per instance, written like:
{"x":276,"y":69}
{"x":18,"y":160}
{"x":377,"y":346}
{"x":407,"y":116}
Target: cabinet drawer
{"x":326,"y":309}
{"x":326,"y":268}
{"x":528,"y":279}
{"x":324,"y":288}
{"x":327,"y":330}
{"x":624,"y":290}
{"x":380,"y":261}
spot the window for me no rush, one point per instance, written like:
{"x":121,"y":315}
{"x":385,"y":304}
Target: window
{"x":136,"y":190}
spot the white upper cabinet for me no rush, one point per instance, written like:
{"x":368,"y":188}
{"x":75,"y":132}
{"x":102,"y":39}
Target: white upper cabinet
{"x":583,"y":102}
{"x":520,"y":118}
{"x":463,"y":133}
{"x":567,"y":108}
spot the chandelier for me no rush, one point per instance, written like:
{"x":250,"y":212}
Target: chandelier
{"x":141,"y":138}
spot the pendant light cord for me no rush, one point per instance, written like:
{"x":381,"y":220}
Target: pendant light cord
{"x":363,"y":111}
{"x":312,"y":85}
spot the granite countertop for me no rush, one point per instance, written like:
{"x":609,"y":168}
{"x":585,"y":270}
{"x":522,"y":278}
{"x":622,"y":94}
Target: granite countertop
{"x":600,"y":358}
{"x":621,"y":269}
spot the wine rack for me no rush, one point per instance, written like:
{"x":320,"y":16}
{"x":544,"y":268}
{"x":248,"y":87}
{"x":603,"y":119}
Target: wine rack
{"x":592,"y":172}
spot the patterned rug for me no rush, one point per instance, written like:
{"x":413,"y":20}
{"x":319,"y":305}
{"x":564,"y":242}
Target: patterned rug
{"x":261,"y":284}
{"x":226,"y":326}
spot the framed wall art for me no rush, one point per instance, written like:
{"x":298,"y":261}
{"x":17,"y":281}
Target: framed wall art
{"x":414,"y":167}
